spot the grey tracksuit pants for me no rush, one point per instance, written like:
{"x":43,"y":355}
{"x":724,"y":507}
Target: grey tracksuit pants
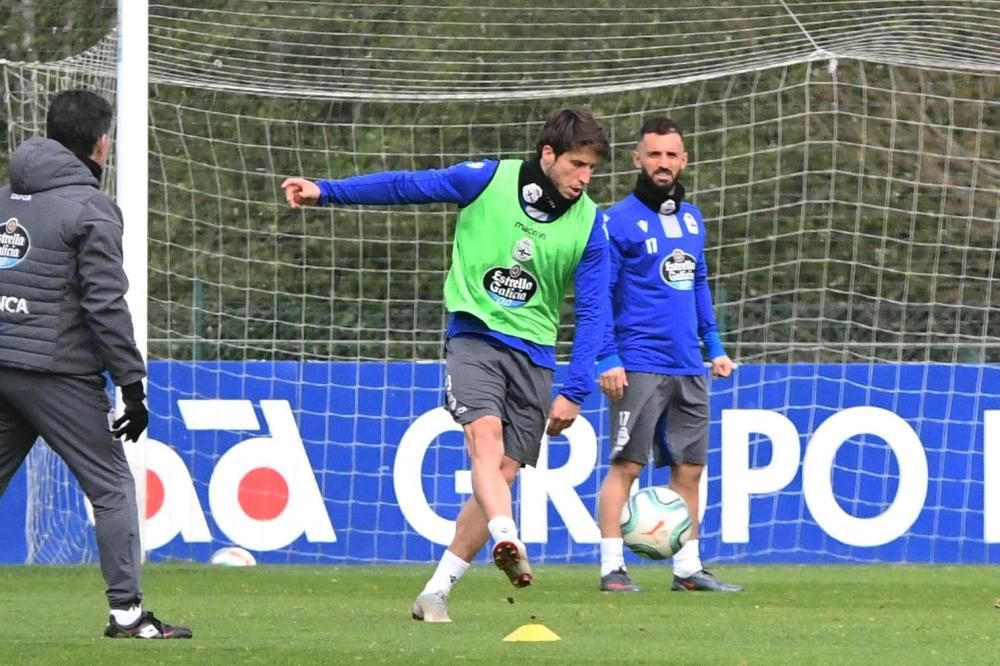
{"x":71,"y":413}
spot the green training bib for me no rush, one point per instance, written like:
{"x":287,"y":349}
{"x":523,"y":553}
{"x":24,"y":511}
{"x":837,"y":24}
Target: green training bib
{"x":510,"y":271}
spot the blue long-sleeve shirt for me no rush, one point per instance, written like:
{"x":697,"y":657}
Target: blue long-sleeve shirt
{"x":660,"y":299}
{"x":460,"y":184}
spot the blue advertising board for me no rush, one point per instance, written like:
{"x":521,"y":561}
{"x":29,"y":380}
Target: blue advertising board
{"x":356,"y":462}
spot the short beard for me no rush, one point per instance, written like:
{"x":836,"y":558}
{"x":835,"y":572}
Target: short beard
{"x":652,"y":185}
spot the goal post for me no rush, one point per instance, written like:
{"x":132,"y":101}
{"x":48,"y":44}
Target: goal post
{"x":132,"y":193}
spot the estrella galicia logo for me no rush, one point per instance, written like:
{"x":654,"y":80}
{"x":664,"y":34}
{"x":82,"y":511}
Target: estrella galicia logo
{"x":510,"y":287}
{"x":14,"y":243}
{"x":677,"y":270}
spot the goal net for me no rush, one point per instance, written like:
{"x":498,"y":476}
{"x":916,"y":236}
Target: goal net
{"x":844,"y":155}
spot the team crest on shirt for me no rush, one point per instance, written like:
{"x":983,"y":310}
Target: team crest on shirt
{"x":531,"y":192}
{"x":690,"y":223}
{"x":510,"y":287}
{"x":524,"y":250}
{"x":14,"y":243}
{"x":677,"y":270}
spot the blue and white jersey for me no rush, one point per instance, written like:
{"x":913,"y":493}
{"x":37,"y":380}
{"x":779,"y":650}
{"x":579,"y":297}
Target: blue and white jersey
{"x":660,"y":300}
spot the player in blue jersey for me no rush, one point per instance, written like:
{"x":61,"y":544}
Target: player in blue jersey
{"x":651,"y":363}
{"x":525,"y":230}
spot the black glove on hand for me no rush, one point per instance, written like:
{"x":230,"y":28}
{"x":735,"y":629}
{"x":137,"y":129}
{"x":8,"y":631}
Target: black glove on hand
{"x":136,"y":417}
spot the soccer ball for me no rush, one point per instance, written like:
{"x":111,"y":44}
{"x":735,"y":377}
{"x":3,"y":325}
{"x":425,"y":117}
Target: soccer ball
{"x":655,"y":523}
{"x":233,"y":556}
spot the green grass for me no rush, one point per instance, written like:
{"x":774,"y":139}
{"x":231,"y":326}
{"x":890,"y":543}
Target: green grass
{"x":342,"y":615}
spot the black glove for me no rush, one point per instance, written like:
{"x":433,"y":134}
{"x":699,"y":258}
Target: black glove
{"x":136,"y":417}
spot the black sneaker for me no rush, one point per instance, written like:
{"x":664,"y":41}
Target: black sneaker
{"x":147,"y":626}
{"x":618,"y":581}
{"x":703,"y":581}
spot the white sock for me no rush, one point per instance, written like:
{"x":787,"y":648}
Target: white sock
{"x":449,"y":570}
{"x":126,"y":616}
{"x":502,"y":528}
{"x":612,"y":557}
{"x":687,"y":561}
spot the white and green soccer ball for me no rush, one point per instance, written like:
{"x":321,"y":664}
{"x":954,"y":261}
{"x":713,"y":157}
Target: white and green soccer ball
{"x":655,"y":523}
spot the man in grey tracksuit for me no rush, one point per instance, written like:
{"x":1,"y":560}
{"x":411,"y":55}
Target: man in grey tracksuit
{"x":63,"y":323}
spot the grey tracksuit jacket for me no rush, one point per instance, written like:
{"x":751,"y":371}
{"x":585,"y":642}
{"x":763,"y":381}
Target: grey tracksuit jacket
{"x":62,"y":285}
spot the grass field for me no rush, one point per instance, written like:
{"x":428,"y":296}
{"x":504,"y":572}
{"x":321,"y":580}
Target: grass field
{"x":355,"y":614}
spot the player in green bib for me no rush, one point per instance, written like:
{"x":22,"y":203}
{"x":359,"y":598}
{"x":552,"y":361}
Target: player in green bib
{"x":526,"y":233}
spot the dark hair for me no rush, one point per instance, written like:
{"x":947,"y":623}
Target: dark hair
{"x":77,"y":119}
{"x":573,"y":128}
{"x":660,"y":126}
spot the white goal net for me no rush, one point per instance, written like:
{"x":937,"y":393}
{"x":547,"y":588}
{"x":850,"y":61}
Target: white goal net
{"x":844,"y":154}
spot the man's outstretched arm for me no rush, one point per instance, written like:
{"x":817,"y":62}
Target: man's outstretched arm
{"x":459,"y":184}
